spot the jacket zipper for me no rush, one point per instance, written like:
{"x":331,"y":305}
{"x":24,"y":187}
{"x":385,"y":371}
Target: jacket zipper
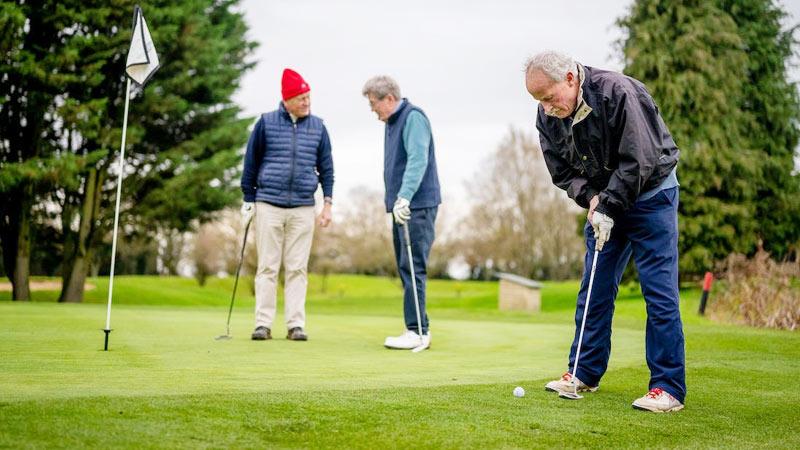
{"x":294,"y":155}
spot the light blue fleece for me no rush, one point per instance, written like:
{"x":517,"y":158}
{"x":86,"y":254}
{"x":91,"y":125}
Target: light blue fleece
{"x":417,"y":139}
{"x":670,"y":182}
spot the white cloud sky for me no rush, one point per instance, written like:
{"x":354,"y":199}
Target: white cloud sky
{"x":459,"y":61}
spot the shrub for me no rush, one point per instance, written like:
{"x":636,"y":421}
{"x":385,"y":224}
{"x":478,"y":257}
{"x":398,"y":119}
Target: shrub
{"x":759,"y":292}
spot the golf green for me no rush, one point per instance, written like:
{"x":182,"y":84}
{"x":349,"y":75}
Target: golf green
{"x":166,"y":382}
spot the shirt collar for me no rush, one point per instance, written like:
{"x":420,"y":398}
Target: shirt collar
{"x":582,"y":109}
{"x":399,"y":105}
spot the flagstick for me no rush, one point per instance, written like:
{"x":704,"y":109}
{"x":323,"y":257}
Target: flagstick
{"x":107,"y":329}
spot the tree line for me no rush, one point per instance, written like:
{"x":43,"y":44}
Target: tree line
{"x":718,"y":70}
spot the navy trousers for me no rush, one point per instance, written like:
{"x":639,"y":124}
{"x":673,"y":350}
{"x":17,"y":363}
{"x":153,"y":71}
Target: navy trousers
{"x":421,"y":231}
{"x":649,"y":232}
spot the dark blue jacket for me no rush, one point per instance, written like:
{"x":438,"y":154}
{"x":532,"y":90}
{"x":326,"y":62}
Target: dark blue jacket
{"x":620,"y":150}
{"x":285,"y":162}
{"x":394,"y":163}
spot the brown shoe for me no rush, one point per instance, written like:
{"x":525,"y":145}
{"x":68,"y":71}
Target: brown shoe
{"x":297,"y":334}
{"x":261,"y":334}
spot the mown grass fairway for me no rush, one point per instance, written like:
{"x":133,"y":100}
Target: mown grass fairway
{"x":167,"y":383}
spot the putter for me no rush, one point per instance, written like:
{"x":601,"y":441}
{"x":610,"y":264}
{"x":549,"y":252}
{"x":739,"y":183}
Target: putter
{"x":574,"y":395}
{"x":228,"y":335}
{"x":421,"y":345}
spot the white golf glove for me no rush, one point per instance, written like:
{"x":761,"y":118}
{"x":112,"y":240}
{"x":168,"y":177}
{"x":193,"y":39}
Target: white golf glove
{"x":401,"y":210}
{"x":248,"y":210}
{"x":602,"y":229}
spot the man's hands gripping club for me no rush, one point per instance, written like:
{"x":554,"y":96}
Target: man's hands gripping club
{"x":401,"y":210}
{"x":601,"y":223}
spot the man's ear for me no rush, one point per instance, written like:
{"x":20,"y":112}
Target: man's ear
{"x":570,"y":79}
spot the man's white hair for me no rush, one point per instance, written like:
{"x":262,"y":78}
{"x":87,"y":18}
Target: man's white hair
{"x":381,"y":86}
{"x":553,"y":64}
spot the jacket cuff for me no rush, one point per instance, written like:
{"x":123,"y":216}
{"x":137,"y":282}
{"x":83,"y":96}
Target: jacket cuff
{"x":604,"y":209}
{"x":590,"y":193}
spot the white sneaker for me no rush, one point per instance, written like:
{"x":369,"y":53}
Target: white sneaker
{"x":658,"y":400}
{"x":408,"y":340}
{"x":565,"y":385}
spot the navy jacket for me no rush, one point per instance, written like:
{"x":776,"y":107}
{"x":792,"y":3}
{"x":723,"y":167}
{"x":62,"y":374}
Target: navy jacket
{"x":621,"y":149}
{"x":394,"y":164}
{"x":285,"y":162}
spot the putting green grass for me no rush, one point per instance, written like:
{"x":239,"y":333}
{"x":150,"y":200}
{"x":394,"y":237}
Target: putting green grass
{"x":166,"y":383}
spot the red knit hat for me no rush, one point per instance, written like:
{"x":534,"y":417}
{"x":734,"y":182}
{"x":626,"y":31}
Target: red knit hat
{"x":292,"y":84}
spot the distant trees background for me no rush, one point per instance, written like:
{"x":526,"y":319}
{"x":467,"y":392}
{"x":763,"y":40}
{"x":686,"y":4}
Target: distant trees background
{"x":518,"y":221}
{"x":716,"y":68}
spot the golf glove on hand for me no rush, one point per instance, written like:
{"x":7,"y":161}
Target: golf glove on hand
{"x":248,"y":210}
{"x":401,"y":210}
{"x":602,"y":229}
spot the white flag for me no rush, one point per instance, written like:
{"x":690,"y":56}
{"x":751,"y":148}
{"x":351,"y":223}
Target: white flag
{"x":142,"y":57}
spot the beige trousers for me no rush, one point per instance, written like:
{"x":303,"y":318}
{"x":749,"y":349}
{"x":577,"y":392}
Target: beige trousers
{"x":282,"y":234}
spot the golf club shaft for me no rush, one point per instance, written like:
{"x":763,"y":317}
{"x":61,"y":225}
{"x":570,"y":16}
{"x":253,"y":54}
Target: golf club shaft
{"x":413,"y":279}
{"x":238,"y":269}
{"x":583,"y":320}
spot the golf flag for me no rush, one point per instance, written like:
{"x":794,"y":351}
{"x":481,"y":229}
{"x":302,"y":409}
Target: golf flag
{"x":142,"y":57}
{"x":142,"y":63}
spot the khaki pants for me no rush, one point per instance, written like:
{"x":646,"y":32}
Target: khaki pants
{"x":282,"y":234}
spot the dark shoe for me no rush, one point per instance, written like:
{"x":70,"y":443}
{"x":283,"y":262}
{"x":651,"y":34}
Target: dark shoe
{"x":297,"y":334}
{"x":261,"y":334}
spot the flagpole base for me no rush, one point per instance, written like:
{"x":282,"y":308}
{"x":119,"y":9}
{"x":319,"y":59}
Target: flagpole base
{"x":106,"y":331}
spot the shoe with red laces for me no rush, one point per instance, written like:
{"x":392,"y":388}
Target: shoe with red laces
{"x":658,"y":400}
{"x":565,"y":385}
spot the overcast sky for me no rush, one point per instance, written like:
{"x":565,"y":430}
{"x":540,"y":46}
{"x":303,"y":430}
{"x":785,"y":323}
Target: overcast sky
{"x":459,"y":61}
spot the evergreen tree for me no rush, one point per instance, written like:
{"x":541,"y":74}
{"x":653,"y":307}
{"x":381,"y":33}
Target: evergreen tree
{"x":773,"y":101}
{"x":29,"y":85}
{"x":183,"y":133}
{"x":695,"y":60}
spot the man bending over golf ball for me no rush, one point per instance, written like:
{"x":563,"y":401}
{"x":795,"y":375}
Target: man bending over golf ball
{"x":606,"y":144}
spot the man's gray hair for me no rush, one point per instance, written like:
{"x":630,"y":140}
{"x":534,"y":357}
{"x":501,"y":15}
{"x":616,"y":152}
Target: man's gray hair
{"x":553,"y":64}
{"x":381,"y":86}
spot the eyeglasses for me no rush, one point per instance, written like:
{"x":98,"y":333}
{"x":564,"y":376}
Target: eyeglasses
{"x":372,"y":103}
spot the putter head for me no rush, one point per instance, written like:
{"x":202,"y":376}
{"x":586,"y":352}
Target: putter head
{"x":223,"y":337}
{"x":420,"y":347}
{"x":570,"y":395}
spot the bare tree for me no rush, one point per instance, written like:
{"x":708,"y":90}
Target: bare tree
{"x":519,"y":221}
{"x":207,"y":252}
{"x":171,"y":251}
{"x":360,"y":236}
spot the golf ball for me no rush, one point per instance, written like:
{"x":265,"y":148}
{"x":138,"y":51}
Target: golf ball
{"x":519,"y":392}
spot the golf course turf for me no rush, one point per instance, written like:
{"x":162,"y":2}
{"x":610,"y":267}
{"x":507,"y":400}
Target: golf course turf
{"x":166,"y":383}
